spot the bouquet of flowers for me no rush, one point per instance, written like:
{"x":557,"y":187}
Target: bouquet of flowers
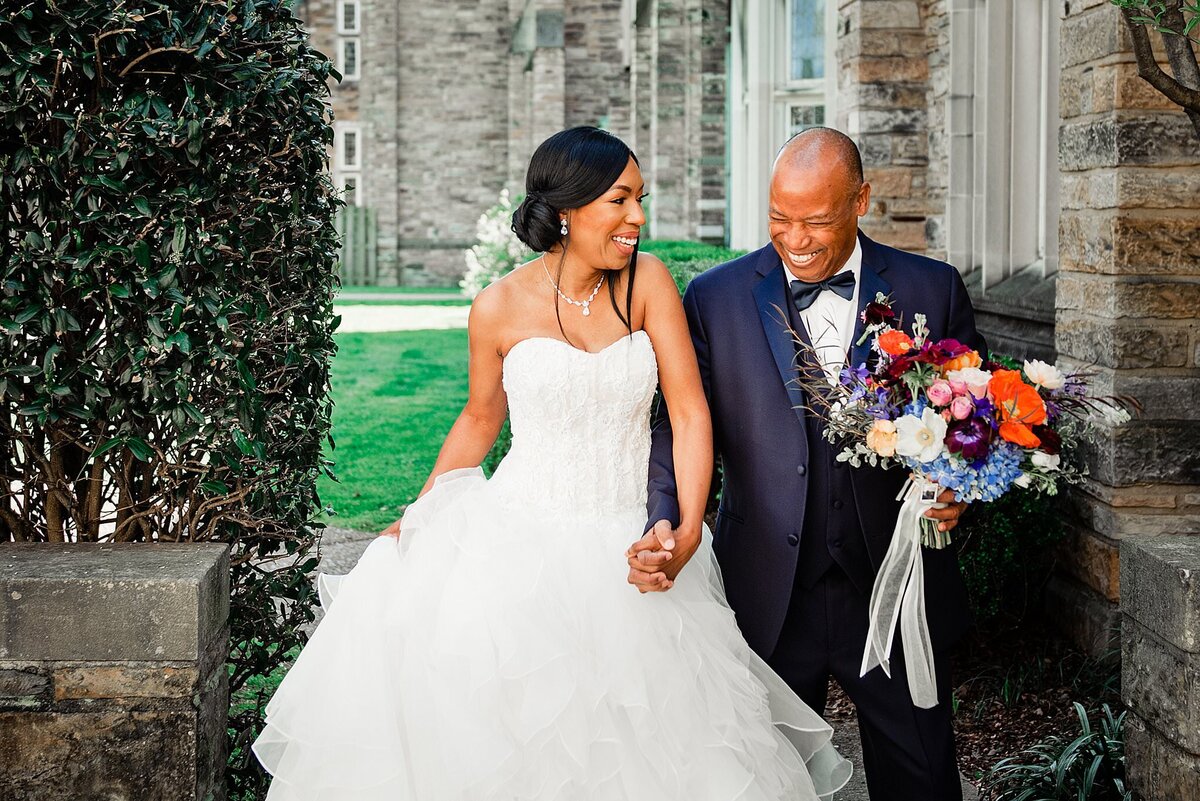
{"x":954,"y":421}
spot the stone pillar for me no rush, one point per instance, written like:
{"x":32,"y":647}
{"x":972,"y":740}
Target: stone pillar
{"x":1160,"y":665}
{"x":1128,"y":295}
{"x":113,"y":683}
{"x":883,"y":81}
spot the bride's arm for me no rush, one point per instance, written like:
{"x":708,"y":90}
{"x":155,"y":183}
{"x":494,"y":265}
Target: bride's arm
{"x":479,"y":423}
{"x":687,"y":409}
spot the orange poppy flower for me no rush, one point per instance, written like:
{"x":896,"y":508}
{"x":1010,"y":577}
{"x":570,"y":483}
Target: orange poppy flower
{"x":962,"y":362}
{"x":895,"y":343}
{"x":1019,"y":407}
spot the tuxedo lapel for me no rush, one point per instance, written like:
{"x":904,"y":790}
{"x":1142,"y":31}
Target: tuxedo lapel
{"x":871,"y":282}
{"x":773,"y":302}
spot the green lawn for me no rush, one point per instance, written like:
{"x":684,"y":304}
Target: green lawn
{"x":400,"y":300}
{"x":396,"y":396}
{"x":403,"y":290}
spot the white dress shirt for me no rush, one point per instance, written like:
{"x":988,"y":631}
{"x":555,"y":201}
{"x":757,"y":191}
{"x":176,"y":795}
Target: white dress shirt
{"x":830,"y":320}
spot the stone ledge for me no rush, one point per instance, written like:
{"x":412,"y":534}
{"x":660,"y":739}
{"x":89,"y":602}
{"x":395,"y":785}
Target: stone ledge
{"x":1157,"y":769}
{"x":1161,"y":684}
{"x":112,"y":601}
{"x":1161,"y":581}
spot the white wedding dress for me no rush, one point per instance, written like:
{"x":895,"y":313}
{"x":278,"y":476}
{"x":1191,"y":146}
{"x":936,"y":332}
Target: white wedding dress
{"x":495,"y":651}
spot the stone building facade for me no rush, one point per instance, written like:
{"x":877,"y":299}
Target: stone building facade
{"x":445,"y":103}
{"x":1010,"y":137}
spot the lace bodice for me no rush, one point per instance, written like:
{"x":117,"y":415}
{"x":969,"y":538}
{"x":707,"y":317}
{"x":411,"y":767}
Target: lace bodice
{"x":580,"y":424}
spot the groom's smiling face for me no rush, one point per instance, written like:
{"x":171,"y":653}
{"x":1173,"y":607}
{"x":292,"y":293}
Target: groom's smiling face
{"x":815,"y":203}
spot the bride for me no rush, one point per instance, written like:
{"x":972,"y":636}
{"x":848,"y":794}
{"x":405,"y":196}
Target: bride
{"x":492,"y":648}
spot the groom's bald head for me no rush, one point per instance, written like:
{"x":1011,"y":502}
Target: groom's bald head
{"x":825,"y":150}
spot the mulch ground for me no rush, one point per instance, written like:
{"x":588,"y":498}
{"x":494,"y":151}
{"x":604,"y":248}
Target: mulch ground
{"x":1014,"y":688}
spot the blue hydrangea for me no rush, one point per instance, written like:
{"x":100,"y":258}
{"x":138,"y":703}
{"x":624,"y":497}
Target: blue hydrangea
{"x":989,"y":482}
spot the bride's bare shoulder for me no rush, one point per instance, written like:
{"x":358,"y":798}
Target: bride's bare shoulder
{"x":504,"y":299}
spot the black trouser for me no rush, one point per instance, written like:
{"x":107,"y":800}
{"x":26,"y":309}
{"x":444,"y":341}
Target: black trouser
{"x":908,"y":752}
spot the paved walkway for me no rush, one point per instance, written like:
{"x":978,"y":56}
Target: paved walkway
{"x":378,"y":319}
{"x":341,"y":547}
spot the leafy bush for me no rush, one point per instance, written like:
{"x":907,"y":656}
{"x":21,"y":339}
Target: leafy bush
{"x":1006,"y":554}
{"x":1091,"y":767}
{"x":686,"y":260}
{"x":166,"y":292}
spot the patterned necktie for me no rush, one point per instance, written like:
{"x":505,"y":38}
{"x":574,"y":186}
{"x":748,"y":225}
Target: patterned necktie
{"x":804,"y":293}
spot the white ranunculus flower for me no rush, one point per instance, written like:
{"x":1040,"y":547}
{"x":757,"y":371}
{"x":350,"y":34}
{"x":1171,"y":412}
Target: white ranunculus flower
{"x":1045,"y":375}
{"x":1024,"y":481}
{"x":1046,"y":461}
{"x":975,"y":379}
{"x":921,"y":437}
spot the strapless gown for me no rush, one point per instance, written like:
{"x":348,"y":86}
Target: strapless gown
{"x":495,"y":651}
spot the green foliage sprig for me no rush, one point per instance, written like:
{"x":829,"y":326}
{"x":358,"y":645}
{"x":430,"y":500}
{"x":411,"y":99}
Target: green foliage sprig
{"x":166,"y":285}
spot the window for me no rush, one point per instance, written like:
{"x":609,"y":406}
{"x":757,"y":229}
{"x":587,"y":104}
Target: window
{"x":781,"y":81}
{"x":348,"y":16}
{"x":348,"y":59}
{"x":348,"y":160}
{"x":349,"y":149}
{"x":1002,"y":119}
{"x":807,"y":40}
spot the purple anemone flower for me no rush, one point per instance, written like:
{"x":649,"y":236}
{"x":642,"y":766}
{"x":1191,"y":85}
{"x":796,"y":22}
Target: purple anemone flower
{"x":970,"y":438}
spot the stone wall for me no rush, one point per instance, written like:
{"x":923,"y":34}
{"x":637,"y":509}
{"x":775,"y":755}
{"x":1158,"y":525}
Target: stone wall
{"x":1160,"y":665}
{"x":883,"y":100}
{"x":1128,"y":295}
{"x":113,"y":684}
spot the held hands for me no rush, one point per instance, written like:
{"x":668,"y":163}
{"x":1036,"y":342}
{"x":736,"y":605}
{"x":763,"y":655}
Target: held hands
{"x":656,"y":559}
{"x":948,"y":511}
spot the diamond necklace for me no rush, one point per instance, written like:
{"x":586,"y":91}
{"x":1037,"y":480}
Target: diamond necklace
{"x":583,"y":304}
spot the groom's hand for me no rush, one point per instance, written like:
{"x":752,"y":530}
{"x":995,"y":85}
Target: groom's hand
{"x":950,"y":513}
{"x":647,"y":556}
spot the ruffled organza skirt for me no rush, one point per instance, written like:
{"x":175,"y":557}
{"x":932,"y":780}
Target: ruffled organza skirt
{"x":496,"y":653}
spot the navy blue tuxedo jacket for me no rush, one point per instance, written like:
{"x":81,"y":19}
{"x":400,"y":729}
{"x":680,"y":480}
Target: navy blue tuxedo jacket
{"x":747,"y":362}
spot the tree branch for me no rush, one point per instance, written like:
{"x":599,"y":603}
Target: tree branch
{"x":1186,"y":97}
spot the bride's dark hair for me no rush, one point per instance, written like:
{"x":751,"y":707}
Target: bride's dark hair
{"x":571,"y":169}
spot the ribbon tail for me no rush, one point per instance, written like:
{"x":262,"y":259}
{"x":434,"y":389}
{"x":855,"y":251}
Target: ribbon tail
{"x":918,"y":647}
{"x":888,"y":593}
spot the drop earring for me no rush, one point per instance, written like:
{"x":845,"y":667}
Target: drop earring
{"x":563,"y":228}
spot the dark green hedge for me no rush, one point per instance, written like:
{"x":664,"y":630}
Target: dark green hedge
{"x":166,"y":293}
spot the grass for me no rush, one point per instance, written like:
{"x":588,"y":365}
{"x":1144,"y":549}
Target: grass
{"x":396,"y":396}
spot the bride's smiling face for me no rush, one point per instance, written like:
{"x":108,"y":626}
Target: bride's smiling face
{"x":603,"y":233}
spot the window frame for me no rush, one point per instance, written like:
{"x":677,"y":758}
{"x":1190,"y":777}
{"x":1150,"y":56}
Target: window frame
{"x":343,"y":42}
{"x":342,"y":29}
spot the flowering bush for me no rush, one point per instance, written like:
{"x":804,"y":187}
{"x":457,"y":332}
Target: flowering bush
{"x":497,"y":250}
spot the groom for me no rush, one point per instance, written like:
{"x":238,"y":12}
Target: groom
{"x":799,"y":536}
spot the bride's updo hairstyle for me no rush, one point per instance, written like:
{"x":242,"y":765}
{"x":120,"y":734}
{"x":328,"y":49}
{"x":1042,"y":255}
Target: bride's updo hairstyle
{"x":568,"y":170}
{"x":571,"y":169}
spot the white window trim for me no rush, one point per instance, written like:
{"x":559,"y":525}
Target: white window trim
{"x":1002,"y":116}
{"x":346,"y":75}
{"x":341,"y":17}
{"x":341,"y":131}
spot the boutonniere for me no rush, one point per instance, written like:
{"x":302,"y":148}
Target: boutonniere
{"x":876,"y":316}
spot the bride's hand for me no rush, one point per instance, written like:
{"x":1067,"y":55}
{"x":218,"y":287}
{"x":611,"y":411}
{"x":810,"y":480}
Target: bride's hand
{"x":391,"y":531}
{"x":647,"y":556}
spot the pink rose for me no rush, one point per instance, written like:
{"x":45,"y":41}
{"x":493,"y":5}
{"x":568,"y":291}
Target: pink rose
{"x":958,"y":387}
{"x":961,"y":407}
{"x":940,"y":393}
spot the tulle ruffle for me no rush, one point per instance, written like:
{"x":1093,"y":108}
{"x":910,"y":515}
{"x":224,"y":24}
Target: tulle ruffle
{"x":491,"y":654}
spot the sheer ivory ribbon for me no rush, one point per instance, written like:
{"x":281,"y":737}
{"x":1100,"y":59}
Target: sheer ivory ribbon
{"x":899,"y":591}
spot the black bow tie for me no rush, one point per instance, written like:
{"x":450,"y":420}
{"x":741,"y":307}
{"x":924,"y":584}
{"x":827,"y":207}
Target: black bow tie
{"x":804,"y":293}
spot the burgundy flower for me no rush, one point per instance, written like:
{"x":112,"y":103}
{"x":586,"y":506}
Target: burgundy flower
{"x":942,"y":351}
{"x":970,"y":438}
{"x":877,"y":313}
{"x":1051,"y":441}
